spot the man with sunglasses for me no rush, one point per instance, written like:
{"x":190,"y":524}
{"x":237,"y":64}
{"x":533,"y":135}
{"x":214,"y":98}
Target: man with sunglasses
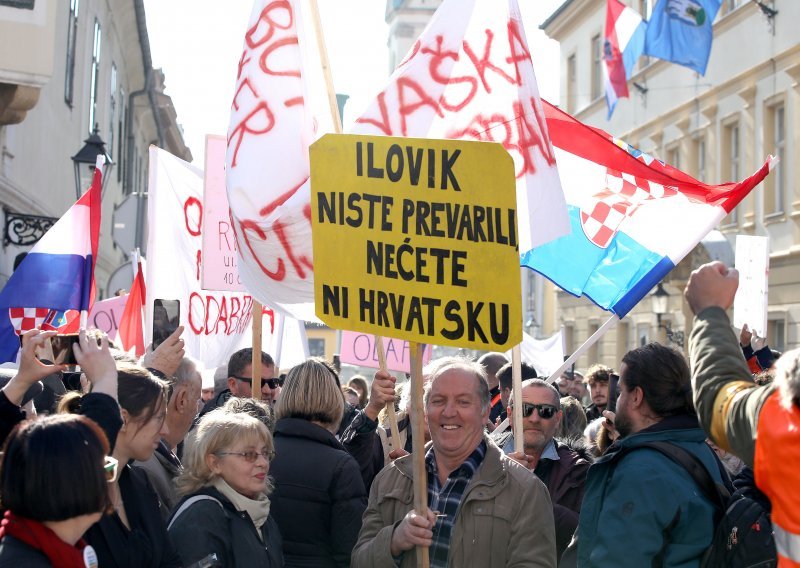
{"x":240,"y":380}
{"x":560,"y":464}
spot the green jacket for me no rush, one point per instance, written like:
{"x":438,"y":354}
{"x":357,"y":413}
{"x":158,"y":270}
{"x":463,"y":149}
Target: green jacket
{"x":640,"y":506}
{"x":505,"y":517}
{"x":728,"y":402}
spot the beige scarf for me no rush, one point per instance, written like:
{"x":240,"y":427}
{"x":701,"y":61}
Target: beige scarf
{"x":258,"y":509}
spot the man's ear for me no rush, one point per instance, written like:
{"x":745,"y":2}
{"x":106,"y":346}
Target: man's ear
{"x":637,"y":396}
{"x":179,"y":396}
{"x":232,"y":386}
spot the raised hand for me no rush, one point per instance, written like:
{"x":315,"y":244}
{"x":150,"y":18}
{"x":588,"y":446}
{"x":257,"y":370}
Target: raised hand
{"x":711,"y":285}
{"x":97,"y":363}
{"x":381,"y":393}
{"x":168,"y":355}
{"x":31,"y":369}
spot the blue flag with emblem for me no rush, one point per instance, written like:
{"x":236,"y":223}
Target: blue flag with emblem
{"x":680,"y":31}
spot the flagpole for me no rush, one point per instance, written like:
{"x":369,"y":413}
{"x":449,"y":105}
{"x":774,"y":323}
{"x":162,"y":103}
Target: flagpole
{"x":326,"y":67}
{"x":610,"y":323}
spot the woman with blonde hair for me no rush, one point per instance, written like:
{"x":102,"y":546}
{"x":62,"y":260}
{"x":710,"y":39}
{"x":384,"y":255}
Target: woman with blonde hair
{"x":319,"y":494}
{"x":226,"y":507}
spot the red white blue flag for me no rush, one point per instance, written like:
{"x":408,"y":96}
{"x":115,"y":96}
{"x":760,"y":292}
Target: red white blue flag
{"x":55,"y":281}
{"x":633,"y":218}
{"x":623,"y":44}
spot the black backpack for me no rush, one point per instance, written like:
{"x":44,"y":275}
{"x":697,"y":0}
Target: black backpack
{"x":743,"y":535}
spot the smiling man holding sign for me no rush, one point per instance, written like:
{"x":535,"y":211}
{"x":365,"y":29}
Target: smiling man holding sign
{"x":409,"y":236}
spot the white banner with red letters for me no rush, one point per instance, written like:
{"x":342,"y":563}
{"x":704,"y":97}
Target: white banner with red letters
{"x":216,"y":323}
{"x":469,"y":76}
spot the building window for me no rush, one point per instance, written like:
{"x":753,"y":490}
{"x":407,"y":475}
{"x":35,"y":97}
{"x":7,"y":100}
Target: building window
{"x":597,"y":72}
{"x":732,"y":164}
{"x":112,"y":109}
{"x":674,"y":157}
{"x":72,"y":32}
{"x":776,"y":332}
{"x":645,"y":8}
{"x":316,"y":347}
{"x":98,"y":37}
{"x":775,"y":135}
{"x":572,"y":76}
{"x":642,"y":334}
{"x":569,"y":338}
{"x":121,"y":135}
{"x":622,"y":339}
{"x":732,"y":4}
{"x":700,"y":159}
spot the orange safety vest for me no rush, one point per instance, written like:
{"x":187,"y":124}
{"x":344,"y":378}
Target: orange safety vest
{"x":777,"y":469}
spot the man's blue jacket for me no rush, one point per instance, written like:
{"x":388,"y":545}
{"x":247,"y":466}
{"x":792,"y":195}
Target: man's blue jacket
{"x":641,"y":509}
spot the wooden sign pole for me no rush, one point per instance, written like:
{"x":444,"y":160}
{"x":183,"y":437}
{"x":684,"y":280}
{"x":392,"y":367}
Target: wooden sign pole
{"x":516,"y":386}
{"x":394,"y":430}
{"x":418,"y":444}
{"x":256,"y":361}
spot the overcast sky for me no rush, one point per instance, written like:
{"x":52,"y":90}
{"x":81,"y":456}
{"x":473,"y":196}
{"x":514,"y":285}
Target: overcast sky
{"x":197,"y":43}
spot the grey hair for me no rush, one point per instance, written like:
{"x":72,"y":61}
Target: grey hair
{"x":187,"y":370}
{"x":427,"y":372}
{"x":542,"y":384}
{"x":787,"y":377}
{"x":461,"y":364}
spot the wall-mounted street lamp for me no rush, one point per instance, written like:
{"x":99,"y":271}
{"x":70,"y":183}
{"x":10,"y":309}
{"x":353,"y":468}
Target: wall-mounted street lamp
{"x":85,"y":160}
{"x":660,"y":305}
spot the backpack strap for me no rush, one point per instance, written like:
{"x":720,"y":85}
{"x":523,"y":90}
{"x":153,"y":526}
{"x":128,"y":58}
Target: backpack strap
{"x":188,"y":503}
{"x":717,"y":493}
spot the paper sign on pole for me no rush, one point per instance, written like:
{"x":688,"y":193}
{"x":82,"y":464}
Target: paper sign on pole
{"x":106,"y":314}
{"x":751,"y":302}
{"x":360,"y":349}
{"x":412,"y":238}
{"x":219,"y":265}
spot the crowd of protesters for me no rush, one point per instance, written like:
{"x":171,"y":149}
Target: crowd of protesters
{"x":142,"y":468}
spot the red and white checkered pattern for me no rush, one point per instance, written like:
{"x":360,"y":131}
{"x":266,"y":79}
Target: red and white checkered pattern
{"x":25,"y":319}
{"x":622,"y":196}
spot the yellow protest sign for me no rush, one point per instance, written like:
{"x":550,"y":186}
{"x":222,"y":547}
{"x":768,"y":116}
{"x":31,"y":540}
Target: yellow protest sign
{"x":416,"y":239}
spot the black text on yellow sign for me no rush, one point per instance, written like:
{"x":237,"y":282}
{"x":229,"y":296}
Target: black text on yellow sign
{"x":416,"y":239}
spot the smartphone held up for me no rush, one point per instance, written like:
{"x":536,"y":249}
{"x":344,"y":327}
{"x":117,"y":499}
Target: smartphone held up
{"x":166,"y":319}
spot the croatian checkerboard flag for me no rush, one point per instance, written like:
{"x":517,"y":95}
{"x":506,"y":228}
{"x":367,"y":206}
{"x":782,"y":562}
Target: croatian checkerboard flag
{"x":55,"y":281}
{"x":624,"y":43}
{"x":633,"y":217}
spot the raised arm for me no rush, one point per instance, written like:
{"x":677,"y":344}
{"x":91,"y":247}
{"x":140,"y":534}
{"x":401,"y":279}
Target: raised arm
{"x":727,"y":399}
